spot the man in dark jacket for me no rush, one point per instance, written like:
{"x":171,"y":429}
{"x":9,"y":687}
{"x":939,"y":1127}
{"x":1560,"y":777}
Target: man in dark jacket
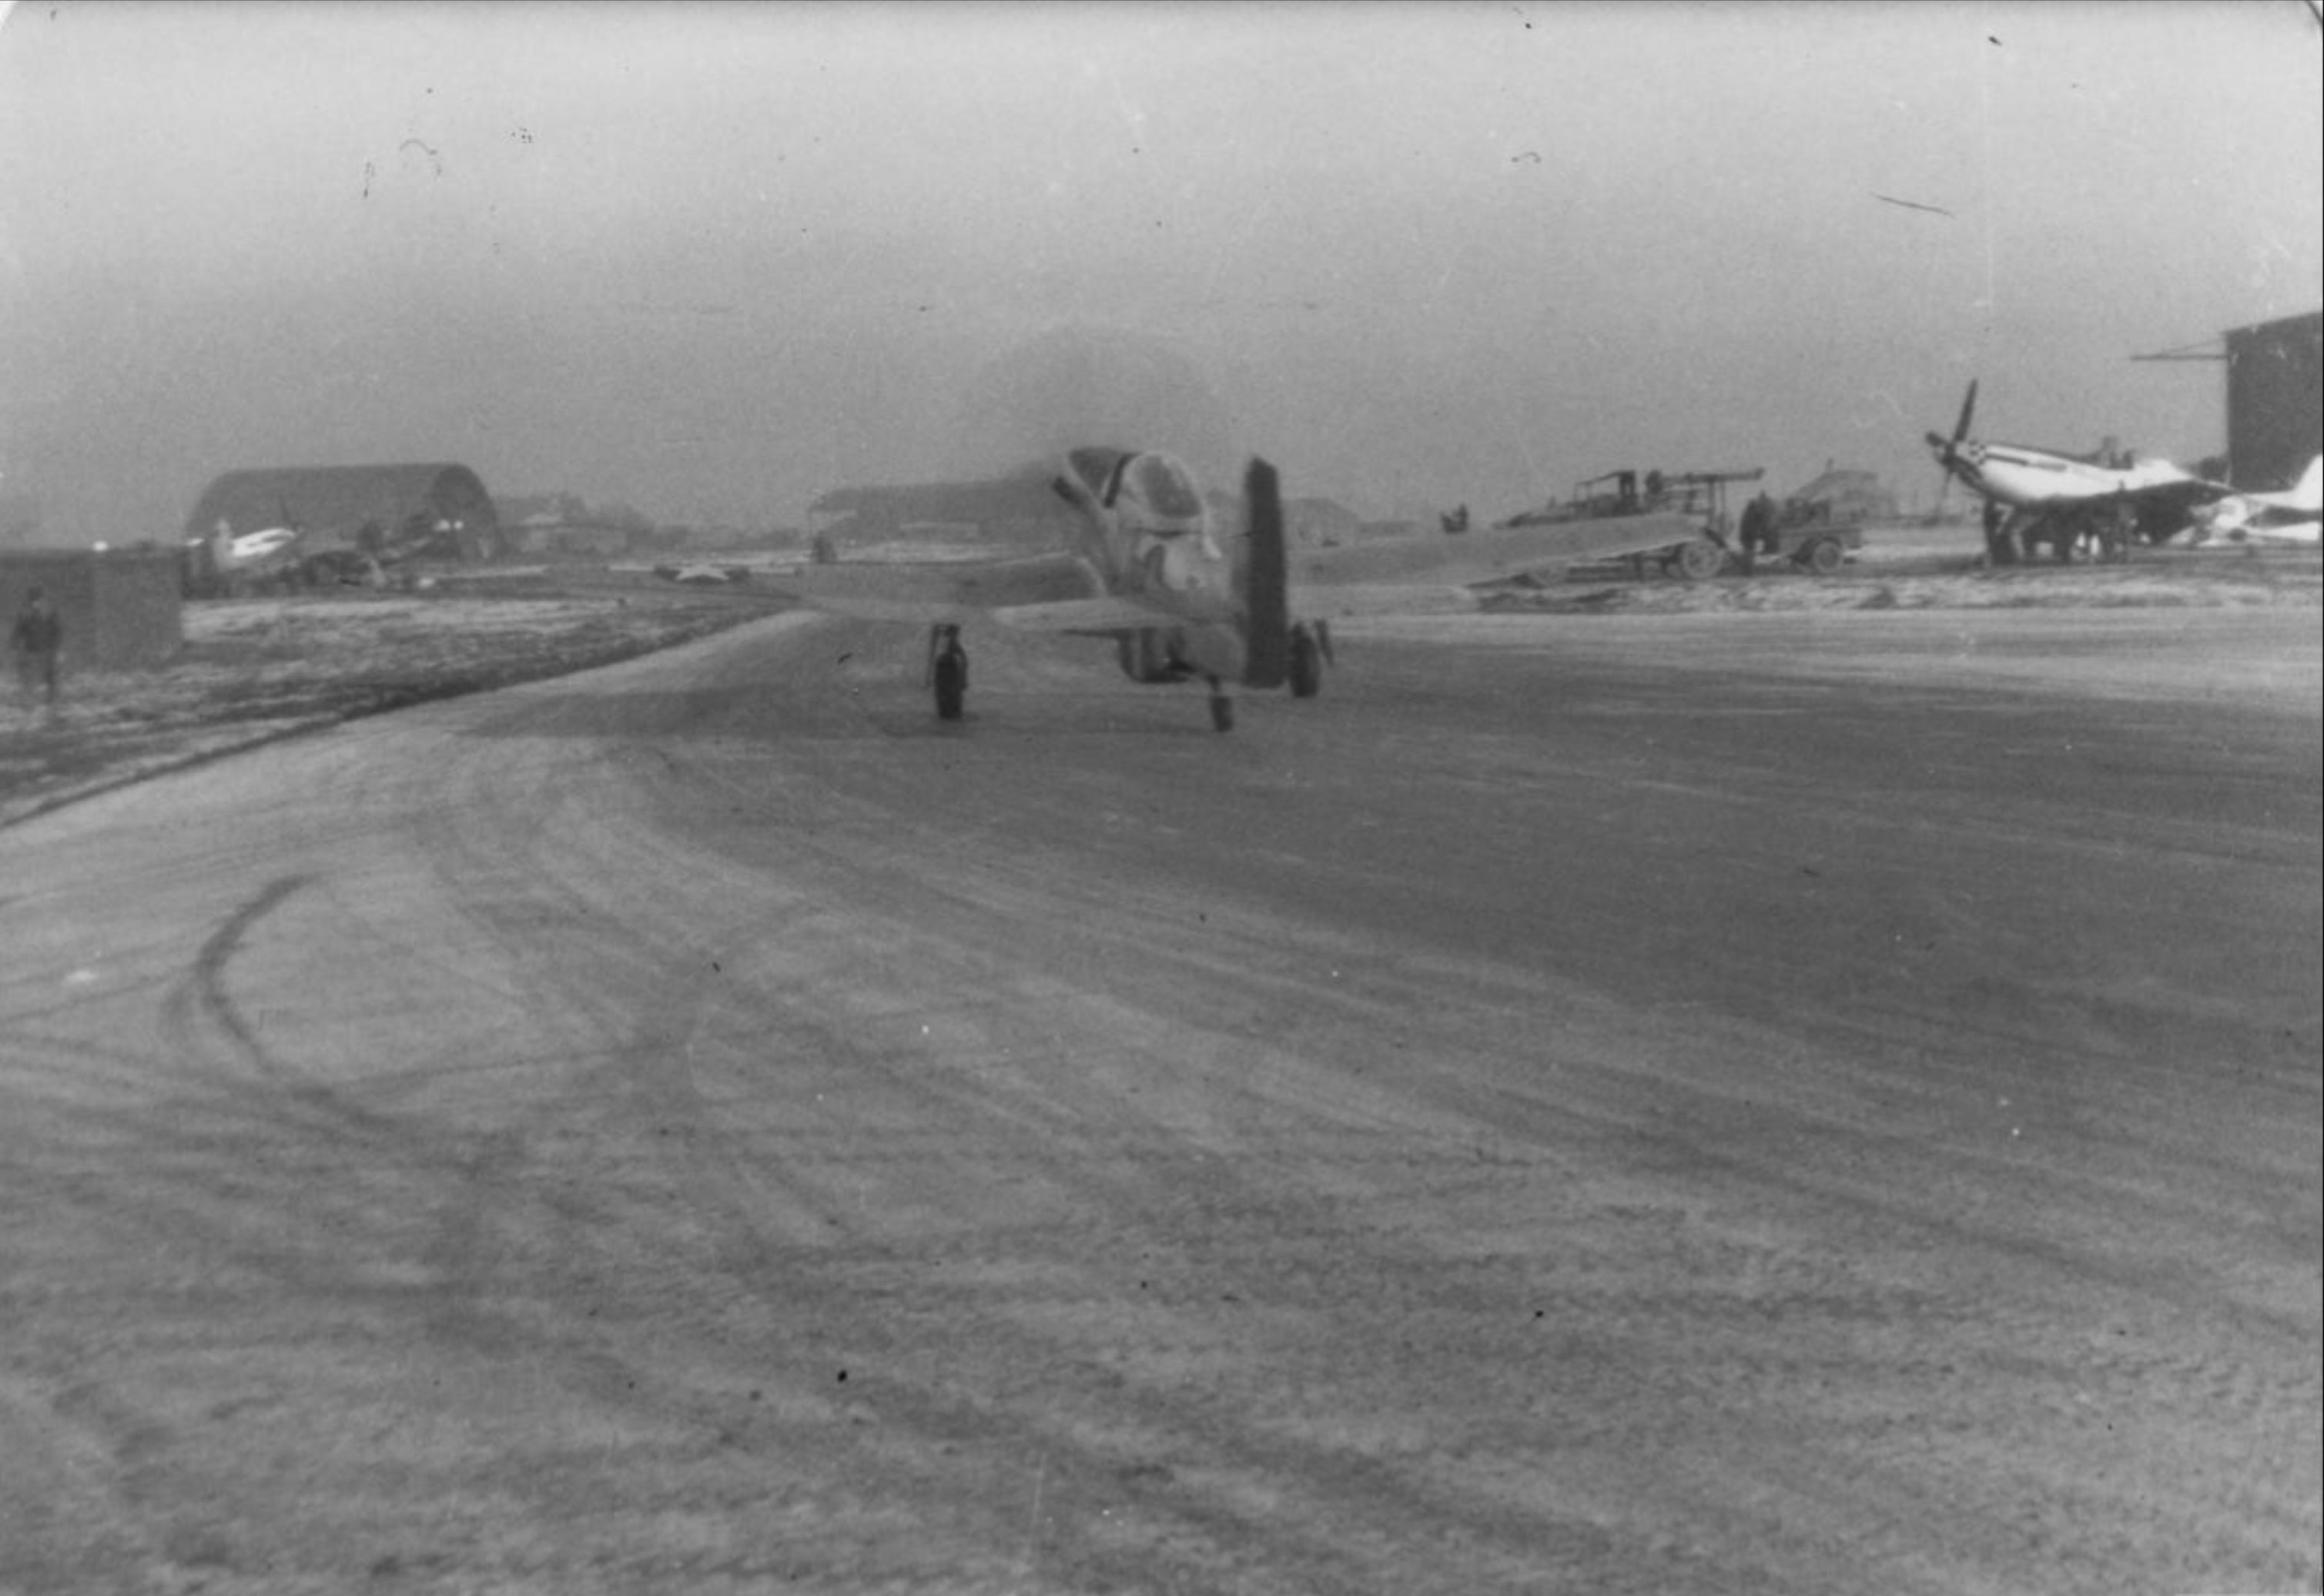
{"x":1758,"y":527}
{"x":38,"y":639}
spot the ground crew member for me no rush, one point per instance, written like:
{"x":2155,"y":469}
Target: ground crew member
{"x":1998,"y":550}
{"x":1758,"y":529}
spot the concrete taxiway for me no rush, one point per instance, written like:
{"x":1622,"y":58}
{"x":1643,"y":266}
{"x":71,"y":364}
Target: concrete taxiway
{"x":1792,"y":1103}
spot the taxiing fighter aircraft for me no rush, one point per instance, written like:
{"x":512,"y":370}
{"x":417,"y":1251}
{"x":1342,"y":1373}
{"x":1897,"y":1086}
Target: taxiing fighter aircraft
{"x":2292,"y":516}
{"x":2061,"y":499}
{"x":1148,"y":572}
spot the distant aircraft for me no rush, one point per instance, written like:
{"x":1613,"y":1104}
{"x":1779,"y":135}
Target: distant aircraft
{"x":702,"y":573}
{"x":1147,"y":573}
{"x":2060,"y":499}
{"x":246,"y":557}
{"x":2291,"y":516}
{"x":248,"y":549}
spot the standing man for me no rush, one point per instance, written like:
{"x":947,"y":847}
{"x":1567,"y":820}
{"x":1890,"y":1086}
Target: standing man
{"x":1758,"y":529}
{"x":1998,"y":549}
{"x":37,"y":640}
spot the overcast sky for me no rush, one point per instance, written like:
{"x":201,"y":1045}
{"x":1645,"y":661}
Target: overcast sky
{"x":714,"y":260}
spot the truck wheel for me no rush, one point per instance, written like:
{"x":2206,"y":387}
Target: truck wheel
{"x":1825,"y":557}
{"x":1700,"y":558}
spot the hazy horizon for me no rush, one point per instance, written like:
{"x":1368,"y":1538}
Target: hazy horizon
{"x":716,"y":260}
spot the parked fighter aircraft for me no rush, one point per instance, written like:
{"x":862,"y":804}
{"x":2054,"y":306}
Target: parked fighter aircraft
{"x":2059,"y":499}
{"x":251,"y":551}
{"x":2291,"y":516}
{"x":240,"y":560}
{"x":1149,"y":573}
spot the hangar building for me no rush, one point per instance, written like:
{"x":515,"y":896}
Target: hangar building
{"x":2275,"y":400}
{"x":333,"y":505}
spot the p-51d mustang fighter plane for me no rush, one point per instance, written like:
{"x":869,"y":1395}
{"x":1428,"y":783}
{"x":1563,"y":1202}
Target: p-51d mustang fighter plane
{"x":2059,"y":499}
{"x":1148,"y":572}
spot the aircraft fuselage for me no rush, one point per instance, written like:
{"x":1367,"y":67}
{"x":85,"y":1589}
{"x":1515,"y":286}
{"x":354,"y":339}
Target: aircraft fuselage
{"x":2036,"y":479}
{"x":1145,"y":523}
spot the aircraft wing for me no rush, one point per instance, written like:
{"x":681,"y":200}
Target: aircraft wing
{"x":1101,"y":616}
{"x":2186,"y":492}
{"x":949,"y":591}
{"x":1372,"y":570}
{"x":1347,"y":601}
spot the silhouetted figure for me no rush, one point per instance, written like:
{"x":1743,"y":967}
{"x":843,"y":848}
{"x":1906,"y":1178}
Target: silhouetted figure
{"x":1998,"y":549}
{"x":947,"y":669}
{"x":1758,"y":531}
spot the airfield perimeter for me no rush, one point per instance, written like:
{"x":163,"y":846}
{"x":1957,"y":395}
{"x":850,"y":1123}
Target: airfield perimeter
{"x":1816,"y":1103}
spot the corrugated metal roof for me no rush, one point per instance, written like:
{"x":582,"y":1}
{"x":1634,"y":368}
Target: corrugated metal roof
{"x":342,"y":498}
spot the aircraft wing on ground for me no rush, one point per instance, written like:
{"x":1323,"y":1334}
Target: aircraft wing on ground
{"x":1102,"y":616}
{"x":946,"y":592}
{"x":1372,"y":573}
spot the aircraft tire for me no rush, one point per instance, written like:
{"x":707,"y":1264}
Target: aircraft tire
{"x":1222,"y":714}
{"x":952,"y":684}
{"x":1307,"y":664}
{"x":1825,"y":557}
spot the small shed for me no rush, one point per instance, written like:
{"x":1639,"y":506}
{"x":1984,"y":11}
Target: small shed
{"x":333,"y":505}
{"x":120,"y":607}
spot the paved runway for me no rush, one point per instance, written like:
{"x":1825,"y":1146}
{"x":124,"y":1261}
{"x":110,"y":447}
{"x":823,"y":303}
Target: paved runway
{"x":1791,"y":1103}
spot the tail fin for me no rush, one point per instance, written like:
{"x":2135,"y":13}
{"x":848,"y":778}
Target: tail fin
{"x":2308,"y":493}
{"x":1266,"y":581}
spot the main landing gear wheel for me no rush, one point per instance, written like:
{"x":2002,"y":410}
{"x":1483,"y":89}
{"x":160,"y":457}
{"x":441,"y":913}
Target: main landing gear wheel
{"x":948,"y":670}
{"x":1825,"y":557}
{"x":1221,"y":708}
{"x":1307,"y":664}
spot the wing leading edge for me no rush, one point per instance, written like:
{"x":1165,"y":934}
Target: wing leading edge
{"x":939,"y":593}
{"x":1466,"y":558}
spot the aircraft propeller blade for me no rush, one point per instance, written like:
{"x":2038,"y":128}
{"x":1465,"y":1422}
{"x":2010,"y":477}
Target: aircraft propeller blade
{"x":1947,"y":448}
{"x":1969,"y":409}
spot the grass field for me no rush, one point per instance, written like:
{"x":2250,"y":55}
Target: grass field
{"x":258,"y":669}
